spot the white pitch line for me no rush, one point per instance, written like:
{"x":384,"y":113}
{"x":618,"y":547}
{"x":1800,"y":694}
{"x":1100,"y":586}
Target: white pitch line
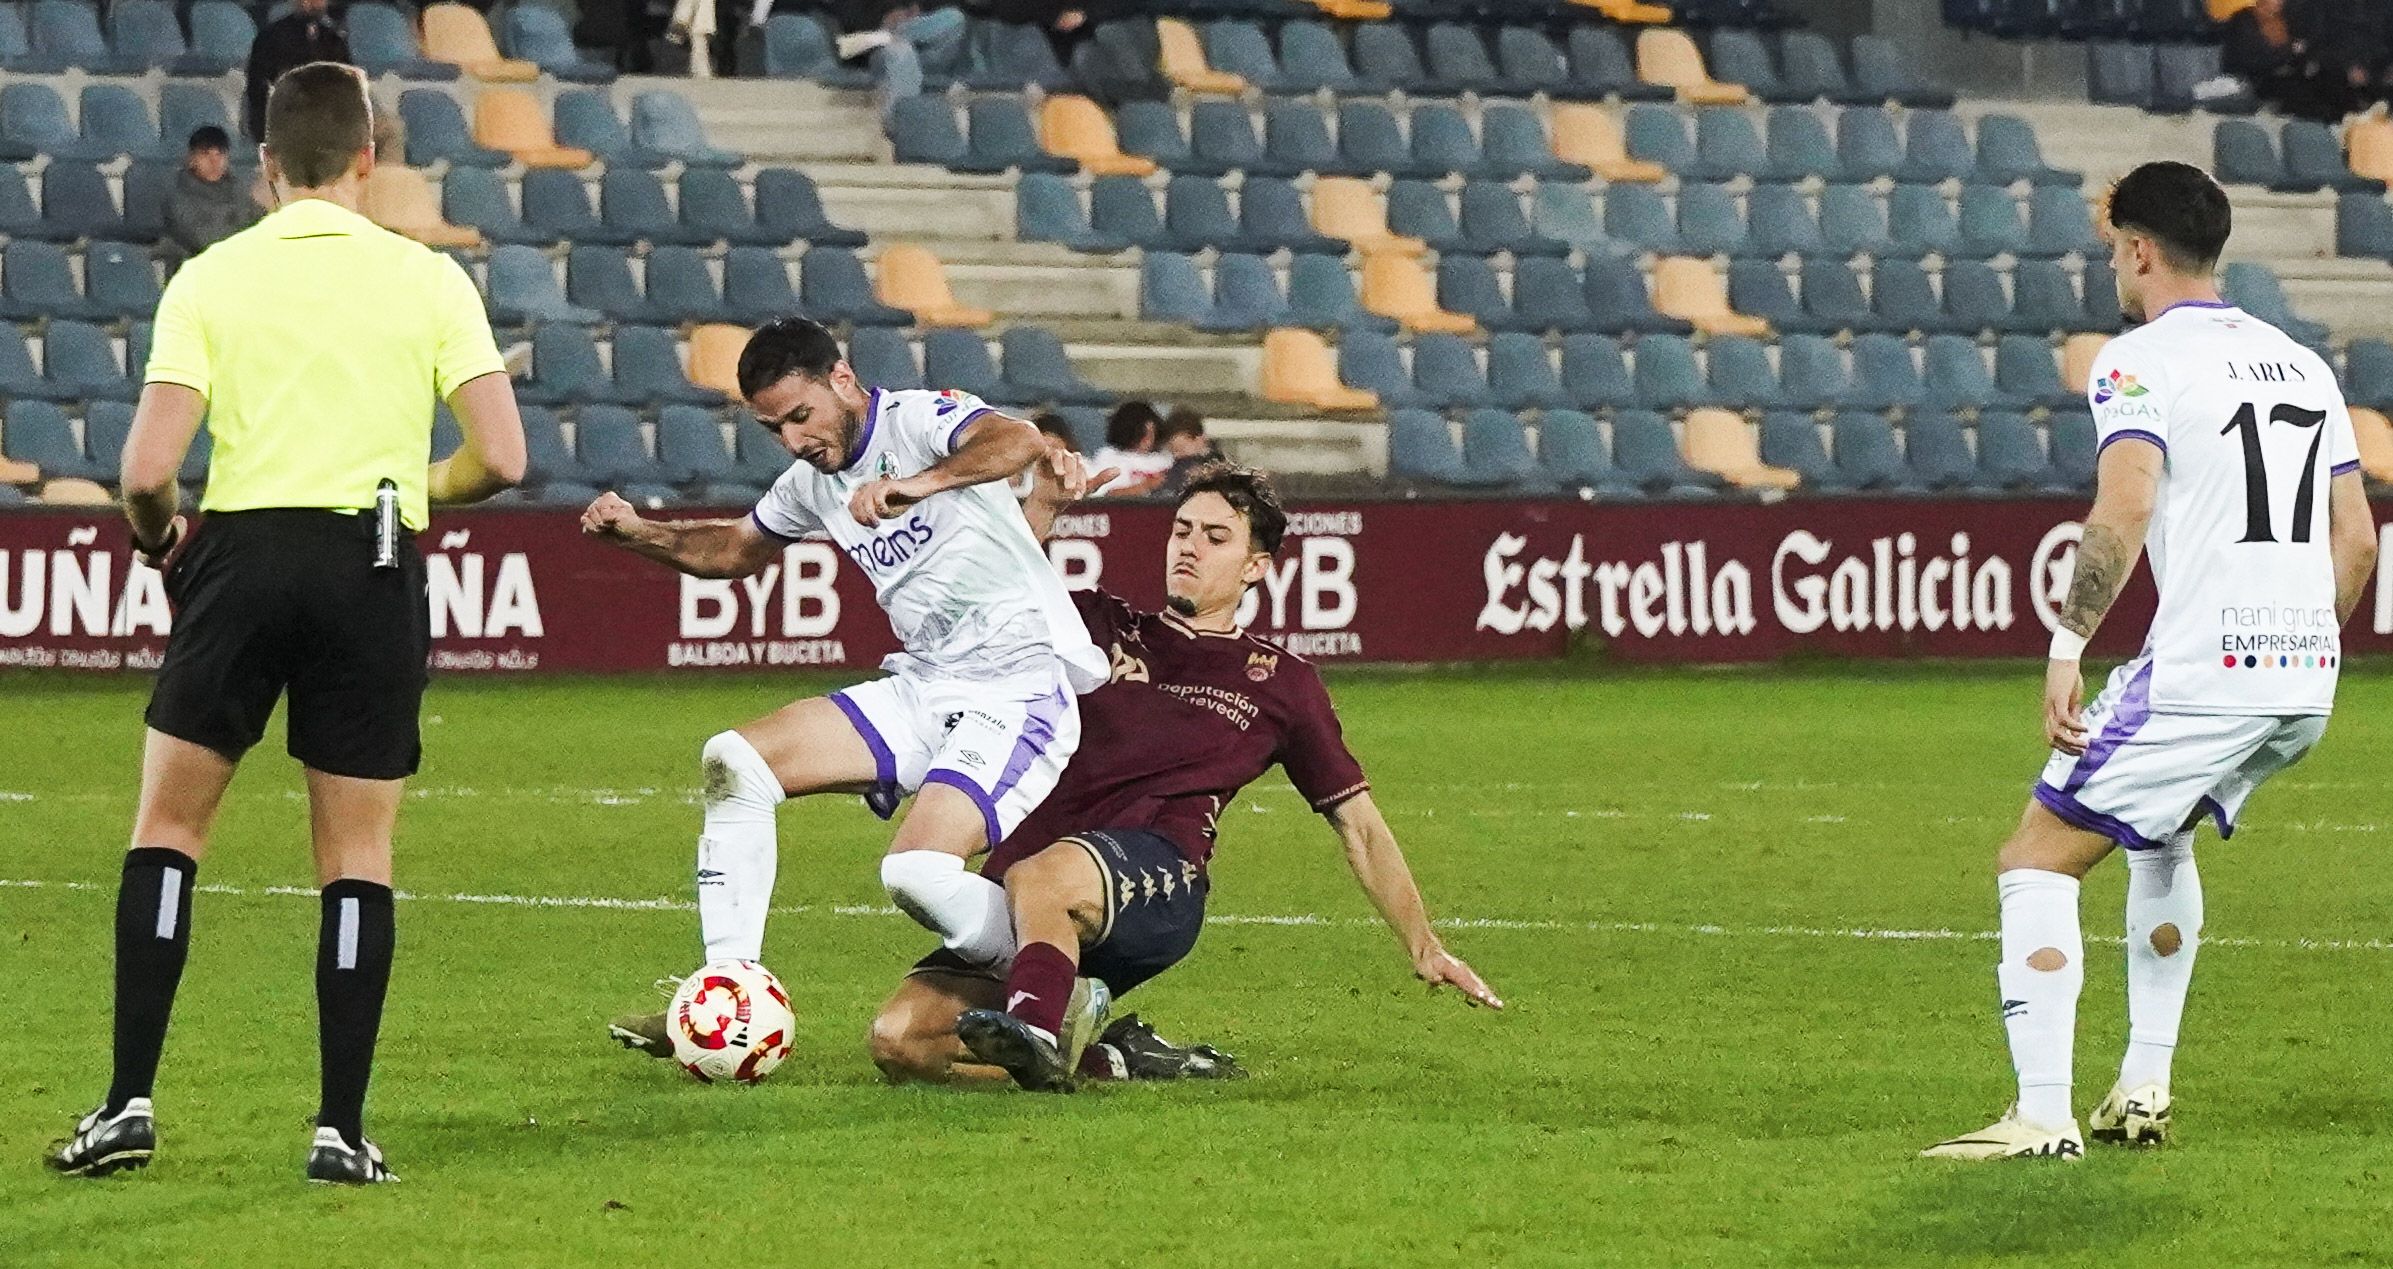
{"x":1304,"y":920}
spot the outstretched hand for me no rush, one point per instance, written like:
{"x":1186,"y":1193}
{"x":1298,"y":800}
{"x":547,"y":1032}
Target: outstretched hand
{"x":1062,"y":478}
{"x":1441,"y":968}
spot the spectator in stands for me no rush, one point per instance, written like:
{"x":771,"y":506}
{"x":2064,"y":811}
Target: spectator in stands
{"x":1185,"y":443}
{"x":1130,"y":446}
{"x":903,"y":36}
{"x":306,"y":34}
{"x":1066,"y":22}
{"x":1058,"y":433}
{"x":2351,"y":42}
{"x":206,"y":204}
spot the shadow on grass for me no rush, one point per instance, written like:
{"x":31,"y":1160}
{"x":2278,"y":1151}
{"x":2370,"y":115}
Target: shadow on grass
{"x":1943,"y":1212}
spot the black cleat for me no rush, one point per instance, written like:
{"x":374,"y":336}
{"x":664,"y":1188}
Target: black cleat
{"x":335,"y":1162}
{"x":1148,"y":1056}
{"x":1001,"y":1039}
{"x":103,"y":1144}
{"x":643,"y":1032}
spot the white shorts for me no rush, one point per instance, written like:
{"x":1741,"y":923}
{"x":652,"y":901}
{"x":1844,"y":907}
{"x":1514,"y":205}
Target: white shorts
{"x":1003,"y":743}
{"x":2146,"y":775}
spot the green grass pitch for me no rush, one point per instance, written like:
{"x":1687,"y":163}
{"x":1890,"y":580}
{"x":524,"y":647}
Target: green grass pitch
{"x":1703,"y":893}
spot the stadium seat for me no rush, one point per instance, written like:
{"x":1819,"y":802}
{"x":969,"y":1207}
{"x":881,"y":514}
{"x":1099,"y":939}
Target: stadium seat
{"x":37,"y":281}
{"x":1321,"y":296}
{"x":1446,"y":373}
{"x":2254,"y":288}
{"x":1866,"y":452}
{"x":2058,"y":224}
{"x":19,"y":379}
{"x":1990,"y":223}
{"x":1811,"y":373}
{"x":539,"y":34}
{"x":1495,"y":452}
{"x":1798,"y":146}
{"x":665,"y":122}
{"x":2077,"y":362}
{"x":1516,"y":144}
{"x":477,"y":198}
{"x":38,"y":432}
{"x":76,"y":205}
{"x":1246,"y":293}
{"x":1667,"y":376}
{"x":2008,"y":152}
{"x":1779,"y":222}
{"x":758,"y":456}
{"x":1076,"y":129}
{"x":122,"y":283}
{"x":1035,"y":368}
{"x":1882,"y":72}
{"x":1658,"y":135}
{"x":1571,"y":449}
{"x":681,"y":289}
{"x":1867,"y":145}
{"x":2070,"y":440}
{"x":1974,"y":301}
{"x":1725,"y":141}
{"x":1467,"y":285}
{"x":33,"y":121}
{"x":1884,"y":376}
{"x":909,"y":277}
{"x":2120,"y":74}
{"x":1296,"y":138}
{"x":1922,"y":223}
{"x":1723,"y":443}
{"x":1670,"y":58}
{"x":1385,"y":56}
{"x":1375,"y":363}
{"x":1738,"y":370}
{"x":2043,"y":298}
{"x":1812,"y":70}
{"x":1759,"y":287}
{"x":185,"y":108}
{"x":2368,"y":373}
{"x":1171,"y":290}
{"x":2368,"y":147}
{"x":2314,"y":160}
{"x":2363,"y":226}
{"x":788,"y":208}
{"x":436,"y":132}
{"x":1123,"y":207}
{"x":1647,"y":454}
{"x":1418,"y":209}
{"x":1741,"y":58}
{"x":382,"y":40}
{"x":959,"y":361}
{"x":797,"y":47}
{"x":458,"y":34}
{"x":550,"y":462}
{"x":1047,"y":209}
{"x":634,"y":202}
{"x":1595,"y":375}
{"x":1833,"y":299}
{"x":1371,"y":140}
{"x":586,"y":121}
{"x":1197,"y":215}
{"x":1184,"y":64}
{"x":1791,"y":442}
{"x":523,"y":288}
{"x":106,"y":425}
{"x":1239,"y":48}
{"x":1564,"y":212}
{"x":1600,"y":66}
{"x":566,"y":370}
{"x":607,"y":440}
{"x":1348,"y":209}
{"x":713,"y":208}
{"x":1271,"y":211}
{"x":1591,"y":137}
{"x":1313,"y":59}
{"x":1956,"y":377}
{"x":1709,"y":222}
{"x":714,"y":359}
{"x":1442,"y":141}
{"x":756,"y":288}
{"x":1458,"y":59}
{"x":1298,"y":369}
{"x":115,"y":122}
{"x":1936,"y":149}
{"x":1421,"y":447}
{"x":1151,"y":130}
{"x":1639,"y":216}
{"x":221,"y":35}
{"x":398,"y":198}
{"x":1936,"y":447}
{"x":884,"y":358}
{"x":2243,"y":154}
{"x":80,"y":358}
{"x":2024,"y":370}
{"x":600,"y":278}
{"x":68,"y":32}
{"x":1492,"y":220}
{"x":1616,"y":295}
{"x":2101,"y":292}
{"x":1221,"y":137}
{"x":146,"y":32}
{"x":690,"y":448}
{"x":1001,"y":139}
{"x":1396,"y":286}
{"x":1529,"y":63}
{"x":558,"y":204}
{"x":2010,"y":455}
{"x":1520,"y":374}
{"x":1691,"y":290}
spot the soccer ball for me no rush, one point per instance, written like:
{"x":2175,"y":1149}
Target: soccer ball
{"x":730,"y":1021}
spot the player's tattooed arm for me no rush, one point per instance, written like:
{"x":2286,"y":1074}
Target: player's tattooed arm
{"x":2351,"y":531}
{"x":700,"y":548}
{"x":2103,"y":562}
{"x":2126,"y":484}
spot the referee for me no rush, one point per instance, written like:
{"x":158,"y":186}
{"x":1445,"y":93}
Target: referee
{"x":315,"y":344}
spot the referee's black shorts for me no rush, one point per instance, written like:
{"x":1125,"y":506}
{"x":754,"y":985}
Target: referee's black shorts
{"x":276,"y":600}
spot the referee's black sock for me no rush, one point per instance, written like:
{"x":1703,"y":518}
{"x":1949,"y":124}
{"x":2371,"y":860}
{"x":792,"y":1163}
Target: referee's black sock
{"x":353,"y":970}
{"x":153,"y":936}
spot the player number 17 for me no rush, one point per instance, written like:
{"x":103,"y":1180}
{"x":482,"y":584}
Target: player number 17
{"x":2258,"y":525}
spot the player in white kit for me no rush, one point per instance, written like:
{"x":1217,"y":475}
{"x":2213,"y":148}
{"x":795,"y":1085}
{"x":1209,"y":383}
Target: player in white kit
{"x":980,"y":710}
{"x":2227,"y":458}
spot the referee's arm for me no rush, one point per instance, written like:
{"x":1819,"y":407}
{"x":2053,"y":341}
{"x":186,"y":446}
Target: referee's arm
{"x":492,"y":458}
{"x":163,"y":424}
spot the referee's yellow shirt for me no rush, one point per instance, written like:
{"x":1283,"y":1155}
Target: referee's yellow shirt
{"x":321,"y":341}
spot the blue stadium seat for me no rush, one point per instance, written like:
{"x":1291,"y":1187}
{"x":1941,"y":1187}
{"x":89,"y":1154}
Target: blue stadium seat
{"x":1867,"y":145}
{"x":959,"y":361}
{"x":1520,"y":375}
{"x":607,"y":440}
{"x":2120,"y":74}
{"x":383,"y":41}
{"x":1421,"y":447}
{"x":1936,"y":150}
{"x":1531,"y":63}
{"x":2058,"y":224}
{"x":1243,"y":50}
{"x":1658,"y":134}
{"x":1123,"y":207}
{"x":16,"y":46}
{"x":2180,"y":70}
{"x":923,"y":129}
{"x":557,"y":203}
{"x":1793,"y":441}
{"x":1170,"y":289}
{"x":1492,"y":220}
{"x":1246,"y":293}
{"x":1725,"y":141}
{"x":1974,"y":300}
{"x":222,"y":32}
{"x":1385,"y":56}
{"x":1221,"y":138}
{"x":1370,"y":359}
{"x":1811,"y":373}
{"x":1571,"y":449}
{"x":1036,"y":369}
{"x":756,"y":288}
{"x":1956,"y":377}
{"x":2069,"y":439}
{"x":2011,"y":455}
{"x":1418,"y":209}
{"x":1296,"y":137}
{"x":1833,"y":298}
{"x":1372,"y":141}
{"x":69,"y":31}
{"x":33,"y":121}
{"x":1922,"y":222}
{"x":1884,"y":376}
{"x":478,"y":197}
{"x":681,"y":289}
{"x":1495,"y":451}
{"x":566,"y":370}
{"x":106,"y":425}
{"x":184,"y":109}
{"x":1047,"y":209}
{"x":37,"y":432}
{"x":1739,"y":57}
{"x":1636,"y":214}
{"x":689,"y":444}
{"x":121,"y":280}
{"x":2368,"y":373}
{"x":1882,"y":72}
{"x":2101,"y":291}
{"x":1458,"y":60}
{"x":1467,"y":284}
{"x":666,"y":123}
{"x":1867,"y":453}
{"x":1002,"y":139}
{"x":1815,"y":72}
{"x":1709,"y":222}
{"x":1321,"y":296}
{"x":79,"y":357}
{"x":523,"y":288}
{"x":1313,"y":60}
{"x":1667,"y":375}
{"x":147,"y":31}
{"x":1516,"y":142}
{"x":2043,"y":298}
{"x":1616,"y":294}
{"x":586,"y":120}
{"x":758,"y":456}
{"x":1595,"y":374}
{"x":2243,"y":154}
{"x":436,"y":132}
{"x":1937,"y":447}
{"x":2314,"y":160}
{"x":1798,"y":146}
{"x":539,"y":34}
{"x":1447,"y":373}
{"x":146,"y":188}
{"x":1758,"y":287}
{"x":2254,"y":289}
{"x":76,"y":204}
{"x":796,"y":46}
{"x":1600,"y":65}
{"x":2024,"y":370}
{"x":1647,"y":453}
{"x":2008,"y":152}
{"x":634,"y":202}
{"x":1780,"y":223}
{"x":713,"y":208}
{"x":1271,"y":211}
{"x":1565,"y":213}
{"x":1152,"y":129}
{"x":37,"y":281}
{"x":2363,"y":226}
{"x":884,"y":358}
{"x":1853,"y":223}
{"x":1990,"y":223}
{"x":1740,"y":375}
{"x":788,"y":208}
{"x":600,"y":278}
{"x":549,"y":460}
{"x":19,"y":380}
{"x":116,"y":122}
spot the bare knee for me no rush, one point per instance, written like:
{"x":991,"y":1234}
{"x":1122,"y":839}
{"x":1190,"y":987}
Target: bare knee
{"x":901,"y":1052}
{"x":2167,"y":939}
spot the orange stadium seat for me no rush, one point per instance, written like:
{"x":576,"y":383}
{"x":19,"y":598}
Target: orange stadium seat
{"x":1078,"y":129}
{"x":69,"y":491}
{"x":1184,"y":61}
{"x":1691,"y":289}
{"x":715,"y":356}
{"x":1634,"y":12}
{"x":1356,"y":10}
{"x":1397,"y":286}
{"x":1722,"y":442}
{"x":399,"y":199}
{"x":2375,"y":434}
{"x":1670,"y":58}
{"x":458,"y":35}
{"x":1298,"y":369}
{"x":1344,"y":207}
{"x":15,"y":471}
{"x":910,"y":277}
{"x":511,"y":119}
{"x":2370,"y":142}
{"x":1589,"y":136}
{"x":2077,"y":361}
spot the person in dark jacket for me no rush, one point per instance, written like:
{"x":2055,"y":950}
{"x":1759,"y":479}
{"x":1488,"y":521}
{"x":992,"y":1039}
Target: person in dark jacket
{"x":206,"y":204}
{"x":306,"y":34}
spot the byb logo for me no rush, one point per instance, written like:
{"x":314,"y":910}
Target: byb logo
{"x":2117,"y":385}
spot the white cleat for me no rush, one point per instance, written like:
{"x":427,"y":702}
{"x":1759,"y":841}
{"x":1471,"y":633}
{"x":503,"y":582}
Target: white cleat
{"x":2136,"y":1116}
{"x":2011,"y":1137}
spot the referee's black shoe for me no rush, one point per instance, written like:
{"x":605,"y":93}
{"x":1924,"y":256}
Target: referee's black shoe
{"x":1027,"y":1053}
{"x":105,"y":1143}
{"x":336,"y":1162}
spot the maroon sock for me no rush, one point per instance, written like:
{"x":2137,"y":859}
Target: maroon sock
{"x":1097,"y":1062}
{"x":1040,"y":986}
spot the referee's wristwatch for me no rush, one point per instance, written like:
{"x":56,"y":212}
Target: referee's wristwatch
{"x":156,"y":555}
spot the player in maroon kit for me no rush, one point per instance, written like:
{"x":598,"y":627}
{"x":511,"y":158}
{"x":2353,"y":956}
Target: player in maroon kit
{"x":1107,"y":878}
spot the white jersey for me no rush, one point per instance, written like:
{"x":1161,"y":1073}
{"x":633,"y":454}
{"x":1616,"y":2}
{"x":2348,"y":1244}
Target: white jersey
{"x":968,"y":590}
{"x":2253,"y":428}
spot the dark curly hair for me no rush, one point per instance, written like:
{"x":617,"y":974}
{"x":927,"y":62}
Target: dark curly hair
{"x":1249,"y":492}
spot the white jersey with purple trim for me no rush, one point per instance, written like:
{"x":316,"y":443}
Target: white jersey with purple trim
{"x":968,"y":591}
{"x":2253,"y":428}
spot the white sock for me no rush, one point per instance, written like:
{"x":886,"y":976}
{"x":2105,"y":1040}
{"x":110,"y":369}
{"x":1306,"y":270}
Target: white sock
{"x":967,"y":910}
{"x":737,"y":850}
{"x":2162,"y":889}
{"x":2039,"y":1006}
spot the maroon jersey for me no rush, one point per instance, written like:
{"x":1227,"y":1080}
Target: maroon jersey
{"x":1189,"y":719}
